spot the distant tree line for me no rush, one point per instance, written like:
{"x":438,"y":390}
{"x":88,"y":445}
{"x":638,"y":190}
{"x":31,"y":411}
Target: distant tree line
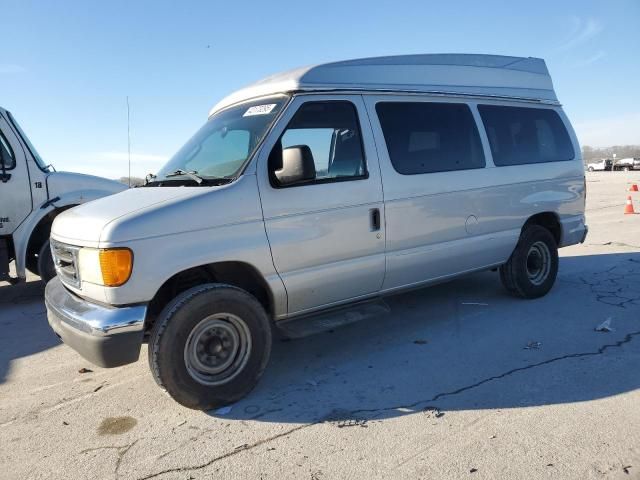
{"x":135,"y":181}
{"x":590,"y":154}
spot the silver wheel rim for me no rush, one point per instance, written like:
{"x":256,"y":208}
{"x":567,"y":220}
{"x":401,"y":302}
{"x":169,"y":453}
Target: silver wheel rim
{"x":217,"y":349}
{"x":538,"y":263}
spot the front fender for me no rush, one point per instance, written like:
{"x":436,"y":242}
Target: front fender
{"x":159,"y":258}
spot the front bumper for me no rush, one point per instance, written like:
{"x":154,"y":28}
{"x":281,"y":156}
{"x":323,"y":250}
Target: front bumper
{"x":106,"y":336}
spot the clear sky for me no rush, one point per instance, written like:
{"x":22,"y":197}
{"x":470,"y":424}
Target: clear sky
{"x":66,"y":67}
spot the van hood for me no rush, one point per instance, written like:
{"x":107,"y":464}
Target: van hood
{"x":139,"y":213}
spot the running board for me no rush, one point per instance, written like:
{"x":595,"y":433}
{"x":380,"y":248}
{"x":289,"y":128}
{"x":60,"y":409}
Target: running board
{"x":327,"y":320}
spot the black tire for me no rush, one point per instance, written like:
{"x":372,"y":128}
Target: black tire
{"x":590,"y":169}
{"x":31,"y":262}
{"x":172,"y":338}
{"x":532,"y":268}
{"x":46,"y":268}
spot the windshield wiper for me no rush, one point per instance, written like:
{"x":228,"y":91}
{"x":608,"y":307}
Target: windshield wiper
{"x":193,"y":175}
{"x":153,"y":180}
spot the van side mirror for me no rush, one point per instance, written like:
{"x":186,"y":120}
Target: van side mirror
{"x":297,"y":165}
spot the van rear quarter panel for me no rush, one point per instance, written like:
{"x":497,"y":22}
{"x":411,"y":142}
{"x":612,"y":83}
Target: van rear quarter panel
{"x":428,"y":232}
{"x":502,"y":199}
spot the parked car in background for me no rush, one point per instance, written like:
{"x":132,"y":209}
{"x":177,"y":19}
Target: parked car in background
{"x":627,"y":164}
{"x":308,"y":196}
{"x":603,"y":165}
{"x":32,"y":195}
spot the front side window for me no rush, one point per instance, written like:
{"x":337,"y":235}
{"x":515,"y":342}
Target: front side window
{"x":34,"y":153}
{"x":7,"y":160}
{"x":220,"y":149}
{"x":325,"y":142}
{"x":425,"y":137}
{"x":520,"y":135}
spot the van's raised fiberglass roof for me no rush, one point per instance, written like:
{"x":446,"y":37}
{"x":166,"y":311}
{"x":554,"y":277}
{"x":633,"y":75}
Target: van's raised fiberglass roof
{"x":459,"y":74}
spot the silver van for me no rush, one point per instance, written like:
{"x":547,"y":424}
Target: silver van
{"x":312,"y":194}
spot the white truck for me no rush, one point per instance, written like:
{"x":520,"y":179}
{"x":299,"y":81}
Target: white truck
{"x":626,"y":164}
{"x":600,"y":166}
{"x":32,"y":194}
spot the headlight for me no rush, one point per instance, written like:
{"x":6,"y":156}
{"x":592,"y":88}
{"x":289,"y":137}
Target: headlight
{"x":110,"y":267}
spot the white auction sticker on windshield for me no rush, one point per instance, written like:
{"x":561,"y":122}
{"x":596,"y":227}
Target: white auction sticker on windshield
{"x":259,"y":110}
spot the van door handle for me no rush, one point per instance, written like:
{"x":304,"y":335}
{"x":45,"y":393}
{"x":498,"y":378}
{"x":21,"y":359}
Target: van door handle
{"x":375,"y":219}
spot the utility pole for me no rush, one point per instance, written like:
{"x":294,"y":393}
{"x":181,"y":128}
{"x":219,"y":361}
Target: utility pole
{"x":129,"y":140}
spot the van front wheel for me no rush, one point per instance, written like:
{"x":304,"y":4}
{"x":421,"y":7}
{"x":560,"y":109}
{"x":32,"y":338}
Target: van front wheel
{"x":531,"y":270}
{"x":210,"y":346}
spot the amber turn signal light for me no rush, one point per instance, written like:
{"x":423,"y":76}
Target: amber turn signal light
{"x":116,"y":265}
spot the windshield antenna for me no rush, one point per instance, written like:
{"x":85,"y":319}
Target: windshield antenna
{"x":128,"y":141}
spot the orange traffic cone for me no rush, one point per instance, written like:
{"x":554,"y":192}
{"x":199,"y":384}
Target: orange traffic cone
{"x":628,"y":208}
{"x":633,"y":187}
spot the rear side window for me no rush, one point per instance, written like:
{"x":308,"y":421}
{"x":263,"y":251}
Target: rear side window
{"x":424,"y":137}
{"x":519,"y":136}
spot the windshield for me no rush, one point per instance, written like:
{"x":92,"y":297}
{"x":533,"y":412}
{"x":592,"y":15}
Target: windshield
{"x":223,"y":145}
{"x":25,"y":139}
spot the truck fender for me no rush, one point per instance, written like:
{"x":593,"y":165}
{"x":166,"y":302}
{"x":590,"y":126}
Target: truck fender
{"x":22,"y":234}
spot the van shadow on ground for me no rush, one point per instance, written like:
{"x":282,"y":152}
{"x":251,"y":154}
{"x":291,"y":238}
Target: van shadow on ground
{"x":456,"y":346}
{"x":24,"y":329}
{"x":438,"y":348}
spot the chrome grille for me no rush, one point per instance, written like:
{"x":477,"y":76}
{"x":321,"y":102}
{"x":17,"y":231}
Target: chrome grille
{"x":65,"y":259}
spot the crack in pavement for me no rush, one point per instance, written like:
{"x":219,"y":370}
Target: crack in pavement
{"x":616,"y":286}
{"x":121,"y":454}
{"x":121,"y":451}
{"x":67,"y":401}
{"x":604,"y":207}
{"x":212,"y":430}
{"x":615,"y":244}
{"x":627,"y":338}
{"x":233,"y":452}
{"x":353,"y":413}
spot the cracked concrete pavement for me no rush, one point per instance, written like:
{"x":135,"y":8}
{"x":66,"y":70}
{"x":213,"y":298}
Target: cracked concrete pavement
{"x":442,"y":387}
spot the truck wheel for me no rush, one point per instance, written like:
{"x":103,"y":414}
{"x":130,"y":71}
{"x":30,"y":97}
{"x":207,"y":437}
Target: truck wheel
{"x":531,"y":270}
{"x":590,"y":169}
{"x":626,"y":169}
{"x":210,"y":346}
{"x":46,"y":269}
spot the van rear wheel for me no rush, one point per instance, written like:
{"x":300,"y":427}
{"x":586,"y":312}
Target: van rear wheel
{"x":532,"y":268}
{"x":210,"y":346}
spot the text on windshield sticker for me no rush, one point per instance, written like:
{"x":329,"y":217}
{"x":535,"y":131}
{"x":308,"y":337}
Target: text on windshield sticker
{"x":259,"y":110}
